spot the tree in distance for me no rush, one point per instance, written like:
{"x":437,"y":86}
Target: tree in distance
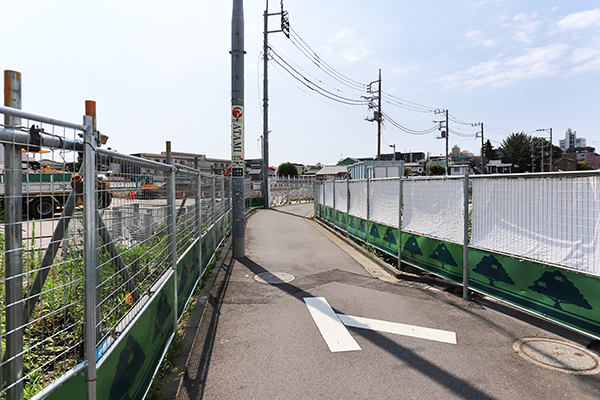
{"x":488,"y":152}
{"x":517,"y":147}
{"x":583,"y":166}
{"x":287,"y":169}
{"x":437,"y":169}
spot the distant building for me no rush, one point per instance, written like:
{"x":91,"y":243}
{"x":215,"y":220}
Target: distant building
{"x":206,"y":165}
{"x":568,"y":162}
{"x":571,"y":141}
{"x":586,"y":154}
{"x":332,"y":172}
{"x":503,"y":166}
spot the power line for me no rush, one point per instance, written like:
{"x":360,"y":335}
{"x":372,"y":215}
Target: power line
{"x":312,"y":85}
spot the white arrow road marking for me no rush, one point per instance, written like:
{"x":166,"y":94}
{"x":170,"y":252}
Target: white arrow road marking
{"x":399,"y":329}
{"x":332,"y":329}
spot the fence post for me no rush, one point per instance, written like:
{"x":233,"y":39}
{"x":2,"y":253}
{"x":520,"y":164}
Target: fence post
{"x":13,"y":211}
{"x":347,"y":205}
{"x":368,"y":206}
{"x":214,"y":207}
{"x":466,"y":238}
{"x":222,"y":196}
{"x":399,"y":221}
{"x":90,"y":255}
{"x":171,"y":204}
{"x":199,"y":215}
{"x":333,"y":186}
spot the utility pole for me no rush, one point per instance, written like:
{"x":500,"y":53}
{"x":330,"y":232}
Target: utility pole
{"x":237,"y":128}
{"x":285,"y":28}
{"x":445,"y":134}
{"x":551,"y":148}
{"x":482,"y":147}
{"x":377,"y":116}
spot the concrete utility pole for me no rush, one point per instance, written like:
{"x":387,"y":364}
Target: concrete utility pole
{"x":379,"y":119}
{"x":237,"y":127}
{"x":445,"y":134}
{"x":285,"y":28}
{"x":265,"y":143}
{"x":482,"y":147}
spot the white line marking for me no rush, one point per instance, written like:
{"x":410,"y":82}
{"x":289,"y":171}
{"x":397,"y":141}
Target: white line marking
{"x":332,"y":329}
{"x":400,"y":329}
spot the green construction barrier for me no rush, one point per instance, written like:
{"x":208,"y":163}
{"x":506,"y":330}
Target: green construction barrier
{"x":567,"y":297}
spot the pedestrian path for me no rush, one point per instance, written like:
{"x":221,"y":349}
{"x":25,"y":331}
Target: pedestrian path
{"x":305,"y":316}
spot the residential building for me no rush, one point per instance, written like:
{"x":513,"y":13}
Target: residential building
{"x":586,"y":154}
{"x":568,"y":162}
{"x":571,"y":141}
{"x":503,"y":166}
{"x":332,"y":172}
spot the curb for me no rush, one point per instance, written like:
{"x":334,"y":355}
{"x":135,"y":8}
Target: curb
{"x":191,"y":329}
{"x":390,"y":269}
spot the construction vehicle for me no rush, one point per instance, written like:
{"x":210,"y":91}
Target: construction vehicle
{"x":145,"y":187}
{"x":45,"y":191}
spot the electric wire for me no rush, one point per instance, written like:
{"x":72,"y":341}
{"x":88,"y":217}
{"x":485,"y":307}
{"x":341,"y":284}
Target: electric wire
{"x":312,"y":85}
{"x":305,"y":49}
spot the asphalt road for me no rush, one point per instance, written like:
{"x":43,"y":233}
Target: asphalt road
{"x":259,"y":340}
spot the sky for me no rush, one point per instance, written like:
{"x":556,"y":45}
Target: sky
{"x":161,"y":71}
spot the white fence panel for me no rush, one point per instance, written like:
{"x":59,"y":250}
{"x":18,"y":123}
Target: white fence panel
{"x":384,"y":201}
{"x":434,"y":207}
{"x":554,"y":220}
{"x":358,"y":198}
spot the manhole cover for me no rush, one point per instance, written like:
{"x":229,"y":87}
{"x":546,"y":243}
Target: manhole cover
{"x":559,"y":356}
{"x":274,"y":278}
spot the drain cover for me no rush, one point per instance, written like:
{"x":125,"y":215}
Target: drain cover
{"x":558,"y":355}
{"x":274,"y":278}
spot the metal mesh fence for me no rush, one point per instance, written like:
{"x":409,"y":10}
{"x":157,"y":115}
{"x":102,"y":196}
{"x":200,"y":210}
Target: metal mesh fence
{"x":138,"y":224}
{"x":287,"y":190}
{"x":41,"y":283}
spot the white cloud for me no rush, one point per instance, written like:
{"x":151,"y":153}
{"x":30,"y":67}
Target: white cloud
{"x":589,"y":56}
{"x":343,"y":34}
{"x":475,"y":36}
{"x":537,"y":62}
{"x":483,"y":2}
{"x":525,"y":27}
{"x":355,"y":53}
{"x":580,"y":20}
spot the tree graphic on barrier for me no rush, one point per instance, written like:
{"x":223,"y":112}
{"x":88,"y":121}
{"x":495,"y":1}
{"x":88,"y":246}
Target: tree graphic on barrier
{"x":351,"y":223}
{"x":412,"y":246}
{"x":389,"y":236}
{"x":491,"y":268}
{"x":558,"y":288}
{"x":375,"y":232}
{"x":443,"y":255}
{"x":361,"y":227}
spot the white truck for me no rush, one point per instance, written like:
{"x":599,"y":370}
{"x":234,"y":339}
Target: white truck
{"x":45,"y":191}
